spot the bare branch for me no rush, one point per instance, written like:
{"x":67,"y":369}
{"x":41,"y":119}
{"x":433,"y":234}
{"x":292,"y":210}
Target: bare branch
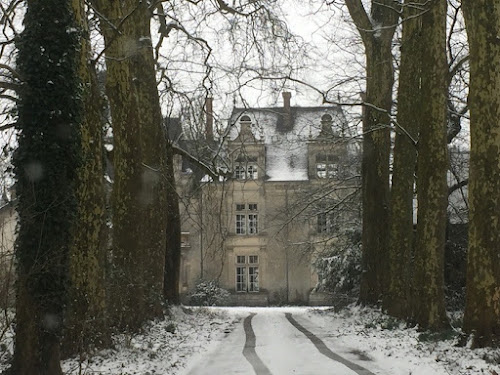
{"x":7,"y":126}
{"x":457,"y":186}
{"x":197,"y":161}
{"x":11,"y":70}
{"x":9,"y":86}
{"x":360,"y":17}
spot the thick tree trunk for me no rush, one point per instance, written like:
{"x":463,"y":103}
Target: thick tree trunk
{"x":127,"y":287}
{"x":432,"y":168}
{"x":35,"y":351}
{"x":482,"y":310}
{"x":377,"y":32}
{"x":86,"y":323}
{"x":45,"y":163}
{"x":154,"y":177}
{"x":397,"y":301}
{"x":375,"y":172}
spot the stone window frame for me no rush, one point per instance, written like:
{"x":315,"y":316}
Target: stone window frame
{"x":246,"y":219}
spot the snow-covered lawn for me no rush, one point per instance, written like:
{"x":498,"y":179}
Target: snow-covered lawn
{"x":353,"y":332}
{"x":406,"y":351}
{"x":164,"y":347}
{"x":377,"y":342}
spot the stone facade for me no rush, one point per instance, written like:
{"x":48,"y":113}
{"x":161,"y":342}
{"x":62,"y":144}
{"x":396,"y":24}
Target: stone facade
{"x":258,"y":229}
{"x":8,"y":222}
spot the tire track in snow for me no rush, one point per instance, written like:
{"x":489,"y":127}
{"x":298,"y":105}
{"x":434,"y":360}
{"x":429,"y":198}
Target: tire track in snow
{"x":249,"y":350}
{"x":323,"y":349}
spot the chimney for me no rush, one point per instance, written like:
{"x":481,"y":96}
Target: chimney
{"x":209,"y":115}
{"x":287,"y":116}
{"x":286,"y":100}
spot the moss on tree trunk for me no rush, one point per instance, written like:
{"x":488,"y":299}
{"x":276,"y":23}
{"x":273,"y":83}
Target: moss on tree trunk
{"x":397,"y":301}
{"x":432,"y":168}
{"x":86,"y":323}
{"x":482,"y":310}
{"x":376,"y":32}
{"x":127,"y":289}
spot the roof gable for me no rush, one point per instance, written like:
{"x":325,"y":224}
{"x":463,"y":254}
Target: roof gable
{"x":286,"y":145}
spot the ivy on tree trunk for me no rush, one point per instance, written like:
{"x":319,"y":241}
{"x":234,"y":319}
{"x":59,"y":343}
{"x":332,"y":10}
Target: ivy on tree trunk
{"x":45,"y":165}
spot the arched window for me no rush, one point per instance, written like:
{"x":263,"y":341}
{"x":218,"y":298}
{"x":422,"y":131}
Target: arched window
{"x":326,"y":125}
{"x":245,"y":118}
{"x":326,"y":118}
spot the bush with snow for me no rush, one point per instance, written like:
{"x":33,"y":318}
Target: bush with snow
{"x":208,"y":293}
{"x":339,"y":268}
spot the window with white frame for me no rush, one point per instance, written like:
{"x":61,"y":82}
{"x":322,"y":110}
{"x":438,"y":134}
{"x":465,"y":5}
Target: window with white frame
{"x":252,"y":172}
{"x":247,"y":273}
{"x":327,"y":166}
{"x":247,"y":219}
{"x":240,"y":224}
{"x":239,"y":172}
{"x":245,"y":168}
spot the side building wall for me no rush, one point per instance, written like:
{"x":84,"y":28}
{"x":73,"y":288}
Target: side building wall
{"x":8,"y":222}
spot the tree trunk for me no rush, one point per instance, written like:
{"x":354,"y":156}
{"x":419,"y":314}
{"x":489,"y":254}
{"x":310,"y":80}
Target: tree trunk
{"x":127,"y":286}
{"x":397,"y":300}
{"x":86,"y":323}
{"x":45,"y":165}
{"x":173,"y":236}
{"x":482,"y":310}
{"x":432,"y":168}
{"x":376,"y":32}
{"x":154,"y":158}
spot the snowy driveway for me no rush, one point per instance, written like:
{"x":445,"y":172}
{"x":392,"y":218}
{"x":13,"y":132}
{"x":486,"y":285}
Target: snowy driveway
{"x":276,"y":342}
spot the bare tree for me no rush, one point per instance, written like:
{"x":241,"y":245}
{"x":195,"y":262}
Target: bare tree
{"x":377,"y":31}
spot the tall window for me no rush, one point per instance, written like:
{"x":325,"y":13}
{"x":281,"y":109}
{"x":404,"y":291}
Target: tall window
{"x":247,"y":273}
{"x":247,"y":218}
{"x":326,"y":223}
{"x":327,"y":166}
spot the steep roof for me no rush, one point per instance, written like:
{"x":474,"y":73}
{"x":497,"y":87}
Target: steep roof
{"x":286,"y":143}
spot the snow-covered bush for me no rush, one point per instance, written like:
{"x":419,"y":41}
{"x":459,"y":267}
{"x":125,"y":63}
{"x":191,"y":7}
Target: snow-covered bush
{"x":208,"y":293}
{"x":339,"y":268}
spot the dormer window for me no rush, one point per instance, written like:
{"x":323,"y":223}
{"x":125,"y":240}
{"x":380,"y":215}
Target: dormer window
{"x":245,"y":168}
{"x":246,"y":129}
{"x":251,"y":172}
{"x":327,"y":166}
{"x":239,"y":172}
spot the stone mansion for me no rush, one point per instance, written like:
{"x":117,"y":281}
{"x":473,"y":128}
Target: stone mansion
{"x":291,"y":185}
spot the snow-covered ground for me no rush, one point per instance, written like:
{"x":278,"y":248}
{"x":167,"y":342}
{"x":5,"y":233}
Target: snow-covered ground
{"x":191,"y":338}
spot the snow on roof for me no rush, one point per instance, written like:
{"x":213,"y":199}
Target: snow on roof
{"x":286,"y":145}
{"x":287,"y":161}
